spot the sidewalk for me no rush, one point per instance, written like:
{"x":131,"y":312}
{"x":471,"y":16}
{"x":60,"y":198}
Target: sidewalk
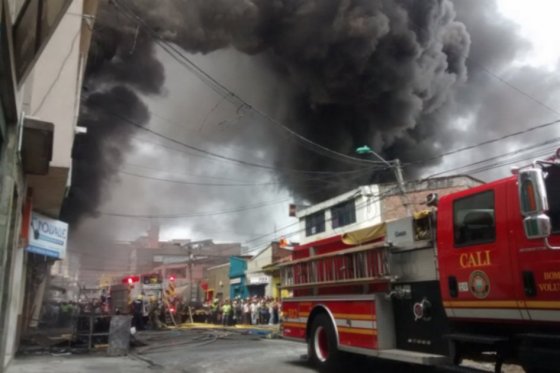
{"x":79,"y":363}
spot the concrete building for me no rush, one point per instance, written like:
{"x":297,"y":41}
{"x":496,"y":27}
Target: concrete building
{"x":43,"y":50}
{"x":184,"y":259}
{"x":260,"y":283}
{"x":217,"y":281}
{"x":393,"y":203}
{"x":237,"y":277}
{"x":372,"y":204}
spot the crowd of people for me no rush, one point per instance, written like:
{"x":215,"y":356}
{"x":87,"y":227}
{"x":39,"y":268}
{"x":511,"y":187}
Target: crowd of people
{"x":249,"y":311}
{"x":62,"y":313}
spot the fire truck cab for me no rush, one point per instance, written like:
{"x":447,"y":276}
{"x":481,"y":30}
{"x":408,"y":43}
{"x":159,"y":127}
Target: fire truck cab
{"x":477,"y":276}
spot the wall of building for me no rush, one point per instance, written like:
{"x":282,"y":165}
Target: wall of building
{"x":15,"y":304}
{"x":367,"y":213}
{"x":55,"y":84}
{"x":237,"y":279}
{"x":255,"y":276}
{"x":12,"y":254}
{"x":50,"y":92}
{"x":218,"y":281}
{"x":393,"y":202}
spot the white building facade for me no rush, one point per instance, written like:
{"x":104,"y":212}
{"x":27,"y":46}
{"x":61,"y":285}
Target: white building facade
{"x":358,"y":208}
{"x":44,"y":48}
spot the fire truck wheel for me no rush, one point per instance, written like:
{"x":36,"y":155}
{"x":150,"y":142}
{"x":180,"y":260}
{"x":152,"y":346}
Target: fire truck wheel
{"x":323,"y":351}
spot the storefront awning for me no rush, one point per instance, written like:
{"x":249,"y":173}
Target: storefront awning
{"x":364,"y":235}
{"x":421,"y":214}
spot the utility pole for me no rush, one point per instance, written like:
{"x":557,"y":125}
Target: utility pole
{"x":394,"y":165}
{"x":190,"y":272}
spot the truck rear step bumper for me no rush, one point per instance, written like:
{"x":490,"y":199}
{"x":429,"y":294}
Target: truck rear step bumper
{"x":405,"y":356}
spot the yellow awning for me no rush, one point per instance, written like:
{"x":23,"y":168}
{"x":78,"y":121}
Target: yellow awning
{"x":363,"y":235}
{"x":421,"y":214}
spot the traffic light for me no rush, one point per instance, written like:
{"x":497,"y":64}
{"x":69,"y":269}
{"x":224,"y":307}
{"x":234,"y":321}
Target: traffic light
{"x":172,"y":278}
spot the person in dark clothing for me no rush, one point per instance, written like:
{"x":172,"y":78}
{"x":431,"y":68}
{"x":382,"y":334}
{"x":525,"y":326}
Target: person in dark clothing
{"x":138,"y":313}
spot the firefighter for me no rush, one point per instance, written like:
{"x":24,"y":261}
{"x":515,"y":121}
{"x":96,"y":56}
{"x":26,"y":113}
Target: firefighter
{"x":214,"y":312}
{"x":153,"y":314}
{"x":138,"y":312}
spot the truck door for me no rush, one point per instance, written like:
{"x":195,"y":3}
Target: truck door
{"x":475,"y":260}
{"x":537,"y":272}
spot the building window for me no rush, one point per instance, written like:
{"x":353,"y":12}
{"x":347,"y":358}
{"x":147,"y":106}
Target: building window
{"x":473,"y":219}
{"x":552,"y":183}
{"x":343,"y":214}
{"x":315,"y":223}
{"x":35,"y":24}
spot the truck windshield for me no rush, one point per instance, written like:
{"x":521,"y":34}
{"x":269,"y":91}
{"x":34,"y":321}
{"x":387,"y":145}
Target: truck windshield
{"x":552,"y":182}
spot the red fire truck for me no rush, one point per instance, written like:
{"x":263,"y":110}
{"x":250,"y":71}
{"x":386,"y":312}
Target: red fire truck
{"x":476,"y":276}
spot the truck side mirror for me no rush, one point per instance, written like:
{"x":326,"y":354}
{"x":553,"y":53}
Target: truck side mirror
{"x":537,"y":226}
{"x":532,"y":192}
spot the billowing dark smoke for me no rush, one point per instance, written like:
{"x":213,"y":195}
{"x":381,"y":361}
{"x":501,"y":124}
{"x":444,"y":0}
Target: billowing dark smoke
{"x":388,"y":73}
{"x":121,"y":62}
{"x":363,"y":71}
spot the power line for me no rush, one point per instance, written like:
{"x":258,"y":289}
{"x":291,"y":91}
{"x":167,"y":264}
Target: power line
{"x":234,"y":98}
{"x":192,"y":66}
{"x":175,"y":181}
{"x":219,"y":156}
{"x":59,"y":73}
{"x":514,"y":87}
{"x":535,"y":147}
{"x":514,"y":152}
{"x":263,"y":167}
{"x":180,"y":216}
{"x":482,"y":143}
{"x":358,"y":207}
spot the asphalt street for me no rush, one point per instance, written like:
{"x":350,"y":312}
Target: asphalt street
{"x":204,"y":350}
{"x":215,"y":350}
{"x":236,"y":351}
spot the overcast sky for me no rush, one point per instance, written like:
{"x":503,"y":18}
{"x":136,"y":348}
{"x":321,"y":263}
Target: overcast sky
{"x":538,"y":20}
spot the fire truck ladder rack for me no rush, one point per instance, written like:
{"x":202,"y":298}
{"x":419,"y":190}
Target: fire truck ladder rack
{"x":364,"y":264}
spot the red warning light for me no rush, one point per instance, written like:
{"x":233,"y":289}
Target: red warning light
{"x":130,"y":279}
{"x":171,"y":278}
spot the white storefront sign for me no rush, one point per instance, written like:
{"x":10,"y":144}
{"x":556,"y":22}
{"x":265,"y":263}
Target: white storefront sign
{"x":170,"y":259}
{"x":235,"y":281}
{"x":258,"y":280}
{"x":47,"y":236}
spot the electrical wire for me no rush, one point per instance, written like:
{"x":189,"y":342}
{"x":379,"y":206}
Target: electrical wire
{"x":515,"y":152}
{"x":234,"y":98}
{"x":59,"y":73}
{"x":541,"y":152}
{"x":482,"y":143}
{"x":201,"y":214}
{"x":183,"y":182}
{"x":219,"y":156}
{"x":194,"y":68}
{"x":378,"y":197}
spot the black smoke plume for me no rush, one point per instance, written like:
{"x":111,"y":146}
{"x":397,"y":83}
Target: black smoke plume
{"x":121,"y":63}
{"x":393,"y":74}
{"x":362,"y":71}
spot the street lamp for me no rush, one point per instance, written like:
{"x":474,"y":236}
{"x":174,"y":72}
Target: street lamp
{"x":394,"y":165}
